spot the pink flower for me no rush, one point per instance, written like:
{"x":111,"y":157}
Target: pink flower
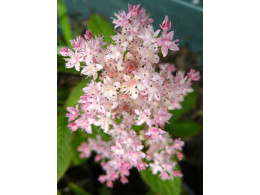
{"x":164,"y":175}
{"x":193,"y":75}
{"x":148,"y":56}
{"x":73,"y":126}
{"x":122,"y":19}
{"x":179,"y":156}
{"x":124,"y":180}
{"x":76,"y":43}
{"x":84,"y":149}
{"x":169,"y":68}
{"x":178,"y":144}
{"x":73,"y":113}
{"x":73,"y":61}
{"x":144,"y":117}
{"x":166,"y":42}
{"x":98,"y":158}
{"x":92,"y":70}
{"x":155,"y":134}
{"x":85,"y":124}
{"x":88,"y":35}
{"x":135,"y":10}
{"x":102,"y":178}
{"x":148,"y":35}
{"x":166,"y":25}
{"x":132,"y":87}
{"x":66,"y":51}
{"x":177,"y":174}
{"x":162,"y":117}
{"x":109,"y":184}
{"x":141,"y":166}
{"x":95,"y":104}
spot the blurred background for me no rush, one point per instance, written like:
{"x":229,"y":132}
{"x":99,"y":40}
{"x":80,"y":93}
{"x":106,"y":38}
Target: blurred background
{"x":79,"y":177}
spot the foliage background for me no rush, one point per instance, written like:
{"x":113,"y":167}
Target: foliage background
{"x":79,"y":176}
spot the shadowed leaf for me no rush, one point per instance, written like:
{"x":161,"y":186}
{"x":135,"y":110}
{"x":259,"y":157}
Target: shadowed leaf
{"x":63,"y":145}
{"x":157,"y":185}
{"x":183,"y":128}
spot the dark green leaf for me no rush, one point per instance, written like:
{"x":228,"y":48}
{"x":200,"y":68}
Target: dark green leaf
{"x":98,"y":131}
{"x":62,"y":93}
{"x":77,"y":190}
{"x":58,"y":192}
{"x":150,"y":192}
{"x":188,"y":103}
{"x":98,"y":25}
{"x":60,"y":41}
{"x":77,"y":138}
{"x":104,"y":190}
{"x":183,"y":128}
{"x":64,"y":21}
{"x":63,"y":145}
{"x":167,"y":187}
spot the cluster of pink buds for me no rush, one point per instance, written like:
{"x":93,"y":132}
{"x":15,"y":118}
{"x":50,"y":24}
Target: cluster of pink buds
{"x":129,"y":86}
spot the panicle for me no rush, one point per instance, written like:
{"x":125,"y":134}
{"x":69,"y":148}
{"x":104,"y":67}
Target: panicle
{"x":128,"y":85}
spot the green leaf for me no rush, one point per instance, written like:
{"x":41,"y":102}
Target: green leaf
{"x":58,"y":49}
{"x":76,"y":93}
{"x":183,"y":128}
{"x":63,"y":146}
{"x":77,"y":138}
{"x":104,"y":190}
{"x":64,"y":21}
{"x":77,"y":190}
{"x":188,"y":103}
{"x":60,"y":41}
{"x":98,"y":25}
{"x":58,"y":192}
{"x":167,"y":187}
{"x":62,"y":94}
{"x":63,"y":69}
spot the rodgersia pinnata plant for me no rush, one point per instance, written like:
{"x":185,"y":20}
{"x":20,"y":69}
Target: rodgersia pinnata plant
{"x":129,"y":87}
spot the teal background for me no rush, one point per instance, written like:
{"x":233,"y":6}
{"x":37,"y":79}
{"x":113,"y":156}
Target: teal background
{"x":186,"y":16}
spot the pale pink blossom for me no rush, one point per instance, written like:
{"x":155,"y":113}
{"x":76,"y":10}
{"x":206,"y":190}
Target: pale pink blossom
{"x":179,"y":156}
{"x":166,"y":25}
{"x":155,"y":134}
{"x":162,"y":117}
{"x":122,"y":19}
{"x":73,"y":113}
{"x":177,"y":174}
{"x":166,"y":42}
{"x":73,"y":61}
{"x":124,"y":180}
{"x":144,"y":117}
{"x":88,"y":35}
{"x":72,"y":126}
{"x":178,"y":144}
{"x":76,"y":43}
{"x":65,"y":51}
{"x":92,"y":70}
{"x":194,"y":75}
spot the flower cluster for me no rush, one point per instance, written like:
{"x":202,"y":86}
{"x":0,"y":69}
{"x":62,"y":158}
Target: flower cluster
{"x":129,"y":86}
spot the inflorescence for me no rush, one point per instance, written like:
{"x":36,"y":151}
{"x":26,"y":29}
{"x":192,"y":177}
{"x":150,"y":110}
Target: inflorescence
{"x":129,"y":85}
